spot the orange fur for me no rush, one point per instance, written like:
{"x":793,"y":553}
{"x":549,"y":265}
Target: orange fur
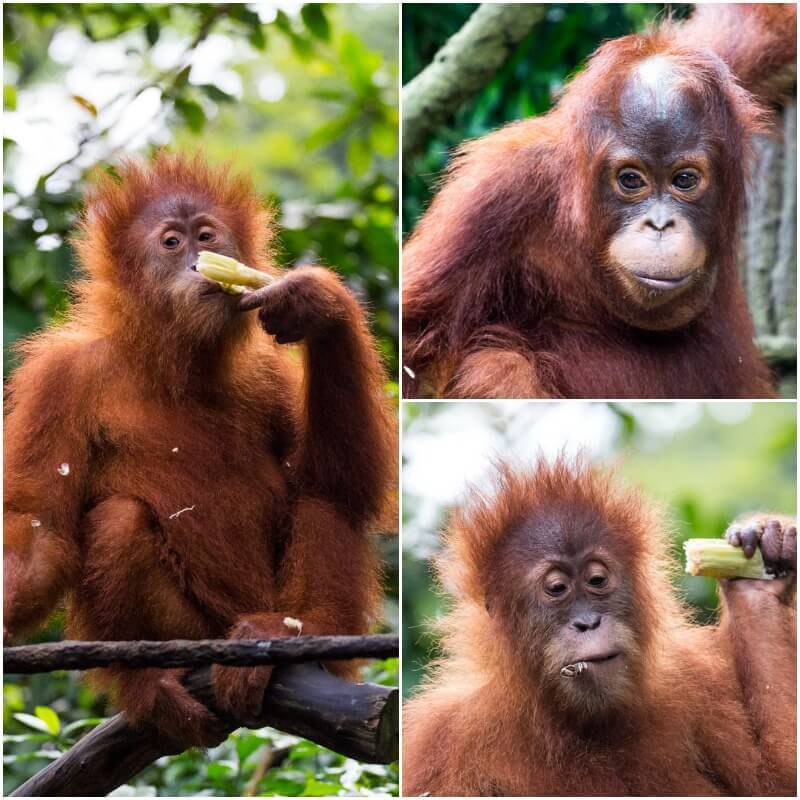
{"x":691,"y":718}
{"x":508,"y":261}
{"x":214,"y":477}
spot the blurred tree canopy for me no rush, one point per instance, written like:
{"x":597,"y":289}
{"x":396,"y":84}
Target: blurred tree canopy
{"x":525,"y":86}
{"x":304,"y":101}
{"x":706,"y":463}
{"x":303,"y":97}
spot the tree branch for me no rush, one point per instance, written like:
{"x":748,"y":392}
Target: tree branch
{"x":357,"y":720}
{"x":466,"y":63}
{"x":193,"y":653}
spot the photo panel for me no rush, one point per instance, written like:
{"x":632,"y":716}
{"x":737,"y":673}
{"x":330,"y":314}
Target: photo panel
{"x":596,"y":596}
{"x":201,"y":291}
{"x":605,"y":206}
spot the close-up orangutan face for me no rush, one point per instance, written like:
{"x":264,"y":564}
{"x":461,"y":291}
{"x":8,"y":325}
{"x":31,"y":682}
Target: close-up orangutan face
{"x":558,"y":589}
{"x":171,"y":231}
{"x":659,"y":195}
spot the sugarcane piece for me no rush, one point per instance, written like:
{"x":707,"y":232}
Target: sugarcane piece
{"x":230,"y":288}
{"x":715,"y":558}
{"x":573,"y":670}
{"x":233,"y":276}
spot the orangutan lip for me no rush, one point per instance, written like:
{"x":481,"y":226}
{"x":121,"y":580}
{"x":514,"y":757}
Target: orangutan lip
{"x":662,"y":284}
{"x":576,"y":668}
{"x":598,"y":659}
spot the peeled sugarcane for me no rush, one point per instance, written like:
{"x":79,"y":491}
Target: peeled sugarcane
{"x":715,"y":558}
{"x":233,"y":276}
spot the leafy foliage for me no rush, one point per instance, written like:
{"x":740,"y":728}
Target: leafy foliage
{"x":306,"y":103}
{"x":238,"y":766}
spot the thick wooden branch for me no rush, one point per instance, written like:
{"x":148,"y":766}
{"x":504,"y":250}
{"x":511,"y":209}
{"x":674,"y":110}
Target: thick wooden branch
{"x":463,"y":66}
{"x":358,"y":720}
{"x":194,"y":653}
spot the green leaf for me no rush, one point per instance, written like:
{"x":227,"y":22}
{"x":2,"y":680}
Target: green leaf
{"x":257,"y":38}
{"x":384,"y":139}
{"x":302,"y":46}
{"x":24,"y":273}
{"x":13,"y":697}
{"x":314,"y":18}
{"x":90,"y":722}
{"x":50,"y":718}
{"x":192,"y":112}
{"x":215,"y":93}
{"x":383,"y":193}
{"x":247,"y":745}
{"x":282,"y":22}
{"x":33,"y":722}
{"x":278,"y":783}
{"x":9,"y":97}
{"x":152,"y":31}
{"x":245,"y":15}
{"x":218,"y":770}
{"x":333,"y":130}
{"x":182,"y":78}
{"x":315,"y":788}
{"x":324,"y":93}
{"x":26,"y":737}
{"x":358,"y":61}
{"x":359,"y":156}
{"x":50,"y":755}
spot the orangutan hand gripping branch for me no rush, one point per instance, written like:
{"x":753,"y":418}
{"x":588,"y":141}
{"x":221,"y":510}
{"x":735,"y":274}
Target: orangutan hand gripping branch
{"x":592,"y":251}
{"x":170,"y":469}
{"x":570,"y":669}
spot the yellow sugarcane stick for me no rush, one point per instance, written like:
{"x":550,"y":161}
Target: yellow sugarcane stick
{"x":715,"y":558}
{"x":229,"y":273}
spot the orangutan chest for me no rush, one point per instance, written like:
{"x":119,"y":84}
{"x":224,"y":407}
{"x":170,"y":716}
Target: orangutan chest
{"x":206,"y":475}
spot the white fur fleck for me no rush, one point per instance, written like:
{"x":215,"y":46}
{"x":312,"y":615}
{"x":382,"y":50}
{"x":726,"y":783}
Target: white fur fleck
{"x":63,"y":469}
{"x":293,"y":624}
{"x":182,"y":511}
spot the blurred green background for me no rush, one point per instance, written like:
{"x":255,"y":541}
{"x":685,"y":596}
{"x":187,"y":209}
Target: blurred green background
{"x":303,"y":97}
{"x":305,"y":102}
{"x":525,"y":86}
{"x":706,"y":462}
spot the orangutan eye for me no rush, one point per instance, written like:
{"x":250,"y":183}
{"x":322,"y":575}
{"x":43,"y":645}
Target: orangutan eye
{"x":556,"y":589}
{"x":631,"y":180}
{"x":685,"y":180}
{"x":171,"y":242}
{"x":596,"y":576}
{"x":206,"y":236}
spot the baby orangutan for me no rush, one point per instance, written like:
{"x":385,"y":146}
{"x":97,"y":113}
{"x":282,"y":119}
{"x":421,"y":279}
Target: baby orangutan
{"x":571,"y":669}
{"x":174,"y":473}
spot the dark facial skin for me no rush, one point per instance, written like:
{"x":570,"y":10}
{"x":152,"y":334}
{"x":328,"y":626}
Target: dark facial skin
{"x":564,"y":598}
{"x":167,"y":237}
{"x":659,"y":199}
